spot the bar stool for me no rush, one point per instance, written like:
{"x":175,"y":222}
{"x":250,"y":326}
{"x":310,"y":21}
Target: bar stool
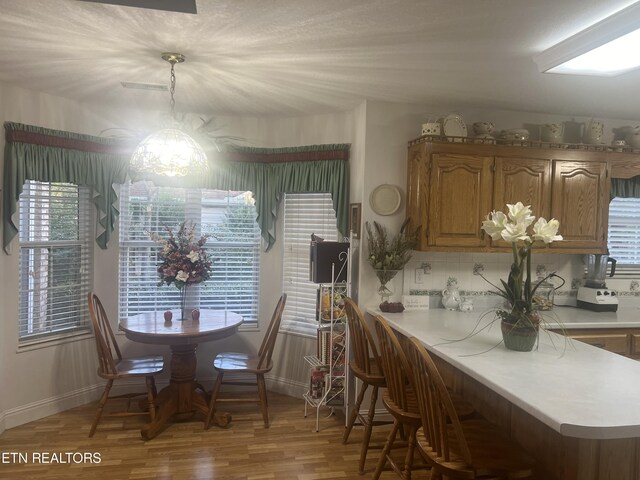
{"x":454,"y":449}
{"x":365,"y":365}
{"x":400,"y":400}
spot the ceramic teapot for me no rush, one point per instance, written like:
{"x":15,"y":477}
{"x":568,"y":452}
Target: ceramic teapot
{"x":451,"y":295}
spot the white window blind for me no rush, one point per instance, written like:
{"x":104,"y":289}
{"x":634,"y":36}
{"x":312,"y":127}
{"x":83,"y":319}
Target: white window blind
{"x":304,"y":214}
{"x":235,"y":246}
{"x":55,"y":259}
{"x":624,"y":234}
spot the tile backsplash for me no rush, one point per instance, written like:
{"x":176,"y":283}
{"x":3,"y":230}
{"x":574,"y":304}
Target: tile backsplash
{"x":427,"y":274}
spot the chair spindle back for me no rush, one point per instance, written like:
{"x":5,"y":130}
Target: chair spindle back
{"x":436,"y":408}
{"x":362,"y":344}
{"x":108,"y":351}
{"x":269,"y":340}
{"x":396,"y":368}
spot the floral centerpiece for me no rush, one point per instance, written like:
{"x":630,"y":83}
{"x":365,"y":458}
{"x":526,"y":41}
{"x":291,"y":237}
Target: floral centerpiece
{"x":183,"y":259}
{"x":520,"y":322}
{"x":388,"y":255}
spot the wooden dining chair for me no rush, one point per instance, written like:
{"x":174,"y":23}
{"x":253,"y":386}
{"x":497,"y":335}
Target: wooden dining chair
{"x":459,"y":450}
{"x":248,"y":364}
{"x":112,"y":366}
{"x":365,"y":365}
{"x":400,"y":401}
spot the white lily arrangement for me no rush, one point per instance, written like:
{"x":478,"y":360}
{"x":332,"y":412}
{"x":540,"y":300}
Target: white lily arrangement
{"x":514,"y":227}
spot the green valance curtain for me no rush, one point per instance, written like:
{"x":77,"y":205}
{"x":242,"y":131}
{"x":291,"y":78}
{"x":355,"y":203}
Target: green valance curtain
{"x":34,"y":153}
{"x":625,"y":187}
{"x":269,"y":173}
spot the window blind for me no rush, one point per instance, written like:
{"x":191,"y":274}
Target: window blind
{"x":55,"y":259}
{"x":230,"y":217}
{"x":304,"y":214}
{"x":624,"y":234}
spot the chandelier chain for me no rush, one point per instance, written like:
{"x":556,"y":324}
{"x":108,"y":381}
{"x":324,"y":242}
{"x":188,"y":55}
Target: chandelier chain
{"x":172,"y":90}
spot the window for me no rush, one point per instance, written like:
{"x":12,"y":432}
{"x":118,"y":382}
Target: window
{"x":55,"y":259}
{"x":229,"y":216}
{"x":624,"y":234}
{"x":304,"y":214}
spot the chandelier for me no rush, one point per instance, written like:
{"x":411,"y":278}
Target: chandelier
{"x":170,"y":151}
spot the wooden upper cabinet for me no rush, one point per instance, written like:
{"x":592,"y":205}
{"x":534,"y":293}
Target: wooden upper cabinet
{"x":459,"y":198}
{"x":526,"y":180}
{"x":451,"y":187}
{"x":417,"y":191}
{"x":580,"y":202}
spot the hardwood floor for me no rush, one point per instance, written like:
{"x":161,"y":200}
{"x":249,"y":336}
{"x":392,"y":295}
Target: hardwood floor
{"x":288,"y":450}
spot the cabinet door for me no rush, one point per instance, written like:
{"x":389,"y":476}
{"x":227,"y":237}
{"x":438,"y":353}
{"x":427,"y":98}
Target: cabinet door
{"x":580,"y":201}
{"x":417,"y":191}
{"x":460,"y":197}
{"x":526,"y":180}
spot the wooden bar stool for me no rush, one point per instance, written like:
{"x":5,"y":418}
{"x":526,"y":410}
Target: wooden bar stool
{"x":454,"y":449}
{"x":365,"y":365}
{"x":399,"y":399}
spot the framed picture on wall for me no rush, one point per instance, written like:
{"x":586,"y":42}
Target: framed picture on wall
{"x":355,"y":219}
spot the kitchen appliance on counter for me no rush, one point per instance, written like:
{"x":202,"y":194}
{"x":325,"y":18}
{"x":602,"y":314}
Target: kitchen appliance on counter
{"x":595,"y":295}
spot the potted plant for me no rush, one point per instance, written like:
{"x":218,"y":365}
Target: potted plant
{"x":388,"y":255}
{"x":520,"y":320}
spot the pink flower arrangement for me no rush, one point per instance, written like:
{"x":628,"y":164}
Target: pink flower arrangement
{"x":184,"y":261}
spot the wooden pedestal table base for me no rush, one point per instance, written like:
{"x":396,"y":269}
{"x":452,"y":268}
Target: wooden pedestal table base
{"x":183,"y":397}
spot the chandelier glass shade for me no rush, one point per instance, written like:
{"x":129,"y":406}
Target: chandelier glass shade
{"x":170,"y":151}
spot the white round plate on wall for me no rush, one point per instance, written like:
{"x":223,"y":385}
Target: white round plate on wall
{"x":385,"y":199}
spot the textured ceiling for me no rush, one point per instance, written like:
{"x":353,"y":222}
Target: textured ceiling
{"x":307,"y":56}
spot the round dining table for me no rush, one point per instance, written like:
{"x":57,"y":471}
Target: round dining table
{"x":183,"y":397}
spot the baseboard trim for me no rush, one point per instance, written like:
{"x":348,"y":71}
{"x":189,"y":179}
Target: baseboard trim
{"x":50,"y":406}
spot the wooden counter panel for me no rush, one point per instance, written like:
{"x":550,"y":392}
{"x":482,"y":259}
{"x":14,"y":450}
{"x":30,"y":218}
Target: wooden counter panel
{"x":558,"y":457}
{"x":635,"y":344}
{"x":623,"y":341}
{"x":616,"y":343}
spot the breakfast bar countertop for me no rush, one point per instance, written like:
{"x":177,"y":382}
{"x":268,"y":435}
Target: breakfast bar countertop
{"x":575,"y":389}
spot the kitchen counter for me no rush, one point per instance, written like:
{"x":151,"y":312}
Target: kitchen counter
{"x":573,"y":406}
{"x":555,"y":383}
